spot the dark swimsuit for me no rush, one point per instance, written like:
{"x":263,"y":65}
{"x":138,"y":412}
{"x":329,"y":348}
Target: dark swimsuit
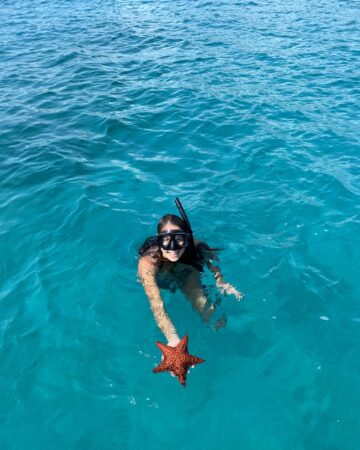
{"x":172,"y":279}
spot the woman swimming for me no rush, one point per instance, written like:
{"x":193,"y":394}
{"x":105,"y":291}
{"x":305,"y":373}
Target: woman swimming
{"x":173,"y":259}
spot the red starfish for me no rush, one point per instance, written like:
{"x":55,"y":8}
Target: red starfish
{"x":177,"y":359}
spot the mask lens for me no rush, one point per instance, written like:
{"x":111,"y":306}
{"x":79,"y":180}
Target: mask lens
{"x":165,"y":241}
{"x":180,"y":240}
{"x":172,"y":240}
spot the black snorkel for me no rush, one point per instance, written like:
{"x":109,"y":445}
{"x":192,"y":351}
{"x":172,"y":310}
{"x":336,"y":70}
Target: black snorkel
{"x":182,"y":212}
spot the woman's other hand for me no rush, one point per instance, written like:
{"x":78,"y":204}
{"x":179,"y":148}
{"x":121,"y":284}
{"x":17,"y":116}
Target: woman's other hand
{"x":227,"y":289}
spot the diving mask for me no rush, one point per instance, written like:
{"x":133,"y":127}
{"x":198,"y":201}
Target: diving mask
{"x":173,"y":240}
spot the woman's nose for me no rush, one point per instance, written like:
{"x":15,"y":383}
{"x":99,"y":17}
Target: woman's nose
{"x":172,"y":245}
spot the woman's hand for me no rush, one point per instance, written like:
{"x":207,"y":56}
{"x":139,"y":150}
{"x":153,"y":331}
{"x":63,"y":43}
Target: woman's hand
{"x":227,"y":289}
{"x":173,"y":341}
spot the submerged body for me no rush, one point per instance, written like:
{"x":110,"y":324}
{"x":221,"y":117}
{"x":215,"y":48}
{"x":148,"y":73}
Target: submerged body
{"x":172,"y":260}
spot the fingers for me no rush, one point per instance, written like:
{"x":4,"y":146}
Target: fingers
{"x":239,"y":295}
{"x":227,"y":289}
{"x":173,"y":342}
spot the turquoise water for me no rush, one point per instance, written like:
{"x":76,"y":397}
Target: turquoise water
{"x":249,"y":112}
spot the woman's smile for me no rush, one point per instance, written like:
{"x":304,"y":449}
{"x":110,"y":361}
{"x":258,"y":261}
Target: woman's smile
{"x":173,"y":255}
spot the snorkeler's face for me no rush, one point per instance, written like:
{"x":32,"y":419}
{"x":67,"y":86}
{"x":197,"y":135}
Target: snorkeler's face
{"x":176,"y":253}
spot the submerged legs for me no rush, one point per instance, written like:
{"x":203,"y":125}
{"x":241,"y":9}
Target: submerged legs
{"x":193,"y":290}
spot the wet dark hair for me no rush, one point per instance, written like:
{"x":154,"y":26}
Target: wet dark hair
{"x":173,"y":220}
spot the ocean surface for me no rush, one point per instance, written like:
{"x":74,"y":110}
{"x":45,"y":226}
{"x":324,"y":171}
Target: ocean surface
{"x":249,"y":112}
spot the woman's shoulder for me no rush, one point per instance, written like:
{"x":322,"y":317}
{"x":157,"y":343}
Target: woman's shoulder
{"x":149,"y":259}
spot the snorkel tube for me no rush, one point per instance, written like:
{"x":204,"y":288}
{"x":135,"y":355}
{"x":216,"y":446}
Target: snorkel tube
{"x":186,"y":220}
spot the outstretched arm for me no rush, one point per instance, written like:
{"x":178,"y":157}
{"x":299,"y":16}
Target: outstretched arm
{"x":223,"y":286}
{"x":147,"y":273}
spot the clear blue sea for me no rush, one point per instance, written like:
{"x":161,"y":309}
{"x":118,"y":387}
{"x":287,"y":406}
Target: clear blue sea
{"x":249,"y":112}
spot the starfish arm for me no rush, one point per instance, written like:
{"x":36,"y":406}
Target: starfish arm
{"x":166,"y":350}
{"x":195,"y":360}
{"x":182,"y":379}
{"x":181,"y":372}
{"x":162,"y":367}
{"x":162,"y":347}
{"x":182,"y":345}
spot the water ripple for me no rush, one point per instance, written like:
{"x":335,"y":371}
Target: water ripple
{"x":249,"y":112}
